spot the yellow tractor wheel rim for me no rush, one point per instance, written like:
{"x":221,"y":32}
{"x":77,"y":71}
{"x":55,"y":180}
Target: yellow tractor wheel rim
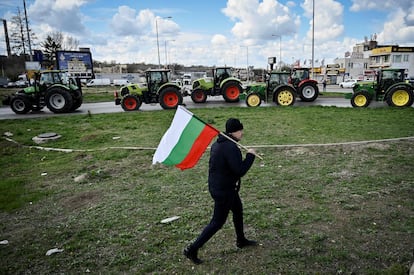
{"x":253,"y":100}
{"x":285,"y":98}
{"x":360,"y":100}
{"x":400,"y":98}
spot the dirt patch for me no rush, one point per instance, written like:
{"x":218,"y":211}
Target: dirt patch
{"x":82,"y":200}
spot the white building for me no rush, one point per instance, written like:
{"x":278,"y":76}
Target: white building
{"x":368,"y":57}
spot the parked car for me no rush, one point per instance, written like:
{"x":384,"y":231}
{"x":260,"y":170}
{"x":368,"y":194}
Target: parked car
{"x":349,"y":83}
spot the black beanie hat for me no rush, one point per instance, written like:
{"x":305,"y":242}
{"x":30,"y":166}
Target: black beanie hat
{"x":233,"y":125}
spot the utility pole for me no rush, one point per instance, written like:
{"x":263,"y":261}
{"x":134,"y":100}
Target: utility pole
{"x":6,"y":35}
{"x":27,"y":30}
{"x":158,"y":43}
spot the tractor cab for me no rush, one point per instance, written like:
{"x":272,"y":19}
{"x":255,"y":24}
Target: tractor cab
{"x":155,"y":79}
{"x":388,"y":77}
{"x":219,"y":75}
{"x":298,"y":75}
{"x":275,"y":79}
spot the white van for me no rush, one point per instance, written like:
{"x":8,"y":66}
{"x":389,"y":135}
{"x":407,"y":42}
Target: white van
{"x":98,"y":82}
{"x":121,"y":82}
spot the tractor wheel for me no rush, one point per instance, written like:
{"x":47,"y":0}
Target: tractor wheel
{"x":77,"y":100}
{"x":253,"y":100}
{"x":20,"y":105}
{"x":284,"y":97}
{"x":231,"y":91}
{"x":170,"y":98}
{"x":59,"y":101}
{"x":198,"y":96}
{"x":400,"y":97}
{"x":308,"y":92}
{"x":131,"y":103}
{"x":360,"y":99}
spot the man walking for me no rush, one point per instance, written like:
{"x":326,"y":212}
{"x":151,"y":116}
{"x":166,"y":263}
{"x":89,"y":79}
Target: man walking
{"x":226,"y":167}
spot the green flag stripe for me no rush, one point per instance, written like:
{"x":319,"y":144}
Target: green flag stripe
{"x":190,"y":133}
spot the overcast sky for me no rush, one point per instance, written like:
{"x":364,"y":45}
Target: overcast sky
{"x":218,"y":32}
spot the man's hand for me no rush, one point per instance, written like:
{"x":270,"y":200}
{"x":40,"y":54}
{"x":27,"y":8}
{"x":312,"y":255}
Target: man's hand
{"x":252,"y":151}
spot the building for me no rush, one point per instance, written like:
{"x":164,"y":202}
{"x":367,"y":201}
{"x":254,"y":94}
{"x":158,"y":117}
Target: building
{"x":368,"y":57}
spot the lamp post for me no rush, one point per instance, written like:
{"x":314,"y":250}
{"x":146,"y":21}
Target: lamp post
{"x":313,"y":34}
{"x":247,"y":61}
{"x":280,"y":49}
{"x":158,"y":42}
{"x":165,"y":49}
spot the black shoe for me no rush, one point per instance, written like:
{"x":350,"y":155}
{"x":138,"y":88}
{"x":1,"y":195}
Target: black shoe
{"x":191,"y":254}
{"x":245,"y":242}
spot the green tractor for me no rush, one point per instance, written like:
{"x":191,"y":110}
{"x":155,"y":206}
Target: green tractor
{"x":277,"y":89}
{"x":222,"y":83}
{"x":157,"y":89}
{"x":52,"y":88}
{"x":389,"y":86}
{"x":306,"y":88}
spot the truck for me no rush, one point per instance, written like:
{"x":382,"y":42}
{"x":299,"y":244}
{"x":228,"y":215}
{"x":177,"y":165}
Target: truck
{"x":120,"y":82}
{"x":157,"y":89}
{"x":389,"y":86}
{"x":55,"y":89}
{"x":98,"y":82}
{"x":276,"y":89}
{"x":222,"y":83}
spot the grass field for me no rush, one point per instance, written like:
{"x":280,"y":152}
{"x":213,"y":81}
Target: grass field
{"x":317,"y":204}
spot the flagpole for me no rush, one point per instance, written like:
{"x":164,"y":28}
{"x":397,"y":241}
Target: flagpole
{"x":238,"y":144}
{"x":221,"y":133}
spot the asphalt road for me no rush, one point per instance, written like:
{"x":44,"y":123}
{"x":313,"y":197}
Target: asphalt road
{"x":216,"y":101}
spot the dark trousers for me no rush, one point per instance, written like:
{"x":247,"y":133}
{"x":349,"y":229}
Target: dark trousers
{"x":223,"y":204}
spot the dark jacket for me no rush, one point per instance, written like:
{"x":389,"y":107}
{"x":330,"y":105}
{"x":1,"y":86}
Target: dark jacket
{"x":226,"y":166}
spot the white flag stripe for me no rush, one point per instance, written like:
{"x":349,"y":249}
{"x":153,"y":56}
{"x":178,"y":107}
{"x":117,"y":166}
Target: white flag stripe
{"x":173,"y":134}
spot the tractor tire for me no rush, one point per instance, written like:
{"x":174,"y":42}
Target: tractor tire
{"x":231,"y":91}
{"x":198,"y":96}
{"x":20,"y":105}
{"x":59,"y":101}
{"x":170,"y":98}
{"x":308,"y":92}
{"x":77,"y":100}
{"x":400,"y":97}
{"x":360,"y":99}
{"x":284,"y":97}
{"x":253,"y":100}
{"x":131,"y":103}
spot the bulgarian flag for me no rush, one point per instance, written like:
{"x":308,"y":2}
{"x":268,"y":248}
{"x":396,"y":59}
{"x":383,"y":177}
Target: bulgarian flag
{"x":185,"y":141}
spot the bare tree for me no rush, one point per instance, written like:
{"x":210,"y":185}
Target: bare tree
{"x":18,"y":39}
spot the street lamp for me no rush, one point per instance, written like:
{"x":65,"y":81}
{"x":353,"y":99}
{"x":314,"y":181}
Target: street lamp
{"x":158,"y":43}
{"x":247,"y":60}
{"x":165,"y":45}
{"x":313,"y":34}
{"x":280,"y":49}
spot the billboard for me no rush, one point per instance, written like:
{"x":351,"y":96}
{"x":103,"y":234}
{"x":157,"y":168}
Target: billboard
{"x":79,"y":64}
